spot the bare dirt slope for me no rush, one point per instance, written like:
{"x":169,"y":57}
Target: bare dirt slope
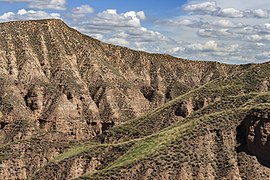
{"x":74,"y":107}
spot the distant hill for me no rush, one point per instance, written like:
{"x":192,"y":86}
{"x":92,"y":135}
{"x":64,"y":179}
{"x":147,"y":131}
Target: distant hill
{"x":74,"y":107}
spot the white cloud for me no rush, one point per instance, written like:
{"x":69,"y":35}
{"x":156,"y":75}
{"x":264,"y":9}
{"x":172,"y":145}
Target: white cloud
{"x":208,"y":46}
{"x":213,"y":50}
{"x":23,"y":14}
{"x":212,"y":46}
{"x":230,"y":31}
{"x":225,"y":32}
{"x":267,"y":25}
{"x":202,"y":8}
{"x":215,"y":33}
{"x":180,"y":22}
{"x":141,"y":15}
{"x":118,"y":41}
{"x":7,"y":16}
{"x":246,"y":30}
{"x":208,"y":32}
{"x":260,"y":44}
{"x":121,"y":35}
{"x":48,"y":4}
{"x":243,"y":4}
{"x":122,"y":29}
{"x":186,"y":22}
{"x":80,"y":12}
{"x":98,"y":36}
{"x":257,"y":37}
{"x":234,"y":13}
{"x":231,"y":12}
{"x":212,"y":8}
{"x":110,"y":18}
{"x":83,"y":9}
{"x":43,"y":4}
{"x":124,"y":25}
{"x":176,"y":50}
{"x":225,"y":23}
{"x":261,"y":13}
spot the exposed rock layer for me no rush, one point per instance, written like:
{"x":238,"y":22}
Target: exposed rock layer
{"x":64,"y":82}
{"x":71,"y":105}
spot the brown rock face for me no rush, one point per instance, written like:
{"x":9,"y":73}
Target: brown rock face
{"x":72,"y":106}
{"x":66,"y":83}
{"x":255,"y":135}
{"x":184,"y":109}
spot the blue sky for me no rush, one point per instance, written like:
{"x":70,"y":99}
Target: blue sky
{"x":222,"y":30}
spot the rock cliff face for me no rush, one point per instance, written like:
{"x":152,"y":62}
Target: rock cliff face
{"x":254,"y":133}
{"x":66,"y":82}
{"x":72,"y":106}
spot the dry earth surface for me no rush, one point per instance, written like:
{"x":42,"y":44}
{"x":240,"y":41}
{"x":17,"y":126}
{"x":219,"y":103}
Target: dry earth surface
{"x":72,"y":107}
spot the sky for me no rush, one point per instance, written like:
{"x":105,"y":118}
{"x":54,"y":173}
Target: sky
{"x":228,"y":31}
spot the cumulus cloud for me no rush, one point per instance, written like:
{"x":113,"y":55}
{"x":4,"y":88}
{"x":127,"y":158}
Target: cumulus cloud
{"x":208,"y":46}
{"x":225,"y":23}
{"x":121,"y":26}
{"x":255,"y":32}
{"x":122,"y":29}
{"x":212,"y":46}
{"x":98,"y":36}
{"x":208,"y":32}
{"x":219,"y":33}
{"x":202,"y":8}
{"x":257,"y":37}
{"x":267,"y":25}
{"x":141,"y":15}
{"x":261,"y":13}
{"x":211,"y":8}
{"x":176,"y":50}
{"x":231,"y":12}
{"x":234,"y":13}
{"x":222,"y":23}
{"x":83,"y":9}
{"x":230,"y":30}
{"x":48,"y":4}
{"x":181,"y":22}
{"x":143,"y":34}
{"x":110,"y":18}
{"x":225,"y":32}
{"x":186,"y":22}
{"x":43,"y":4}
{"x":246,"y":30}
{"x":23,"y":14}
{"x":121,"y":35}
{"x":260,"y":44}
{"x":80,"y":12}
{"x":7,"y":16}
{"x":118,"y":41}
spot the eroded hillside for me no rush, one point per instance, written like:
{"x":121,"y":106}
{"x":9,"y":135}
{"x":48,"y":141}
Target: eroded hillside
{"x":72,"y":106}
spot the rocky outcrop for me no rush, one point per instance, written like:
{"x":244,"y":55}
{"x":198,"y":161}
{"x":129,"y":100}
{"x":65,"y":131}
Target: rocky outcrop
{"x":184,"y":109}
{"x":254,"y":134}
{"x":187,"y":107}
